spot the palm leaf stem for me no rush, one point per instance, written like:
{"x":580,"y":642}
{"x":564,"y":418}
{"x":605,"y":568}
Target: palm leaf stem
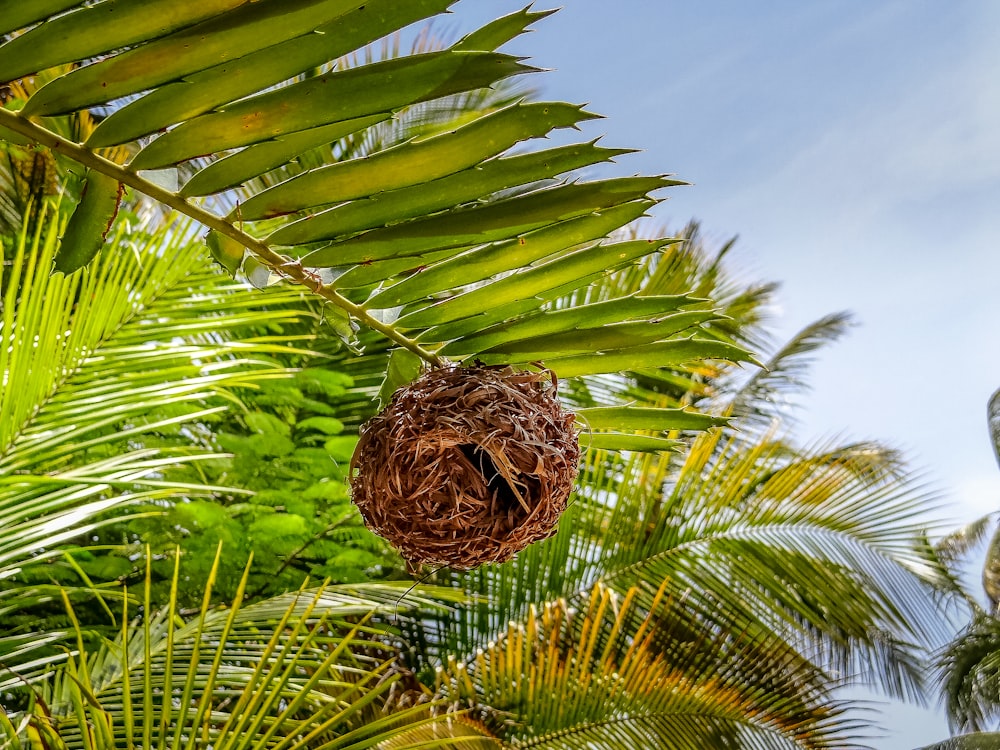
{"x":285,"y":267}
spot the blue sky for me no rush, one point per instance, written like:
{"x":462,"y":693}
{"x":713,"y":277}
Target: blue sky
{"x":854,"y":147}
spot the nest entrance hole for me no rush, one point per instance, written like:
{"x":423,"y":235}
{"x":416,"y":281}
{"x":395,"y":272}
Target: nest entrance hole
{"x":493,"y":480}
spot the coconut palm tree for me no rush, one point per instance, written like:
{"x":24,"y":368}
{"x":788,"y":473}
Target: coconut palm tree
{"x":133,"y":341}
{"x":446,"y":191}
{"x":967,"y":666}
{"x":717,"y":597}
{"x":114,"y":379}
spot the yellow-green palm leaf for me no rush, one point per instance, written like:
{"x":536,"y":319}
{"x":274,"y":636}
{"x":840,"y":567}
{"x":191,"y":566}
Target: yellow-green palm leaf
{"x":304,"y":670}
{"x":148,"y":341}
{"x":601,"y":675}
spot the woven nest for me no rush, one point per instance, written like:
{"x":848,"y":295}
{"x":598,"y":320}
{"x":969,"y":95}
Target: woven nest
{"x":467,"y":465}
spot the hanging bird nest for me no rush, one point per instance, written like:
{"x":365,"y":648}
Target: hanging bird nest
{"x":467,"y":465}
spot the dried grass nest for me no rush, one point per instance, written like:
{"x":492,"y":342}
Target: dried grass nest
{"x":467,"y":465}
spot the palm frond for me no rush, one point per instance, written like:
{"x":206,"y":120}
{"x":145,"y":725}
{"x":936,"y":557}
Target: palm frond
{"x":969,"y":666}
{"x":955,"y":545}
{"x":740,"y":520}
{"x":690,"y":275}
{"x":603,"y":676}
{"x":993,"y":417}
{"x":739,"y":539}
{"x":33,"y":182}
{"x":435,"y":225}
{"x":951,"y":552}
{"x":417,"y":121}
{"x":973,"y":741}
{"x":147,"y":342}
{"x":763,"y":397}
{"x":733,"y":567}
{"x":743,"y":529}
{"x":307,"y":668}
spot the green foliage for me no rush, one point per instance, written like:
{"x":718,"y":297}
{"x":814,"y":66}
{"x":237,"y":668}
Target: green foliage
{"x":601,"y":673}
{"x":466,"y":219}
{"x":715,"y":598}
{"x":289,"y":456}
{"x":972,"y":741}
{"x":306,"y":669}
{"x":159,"y":392}
{"x":88,"y":227}
{"x":968,"y":666}
{"x":749,"y":575}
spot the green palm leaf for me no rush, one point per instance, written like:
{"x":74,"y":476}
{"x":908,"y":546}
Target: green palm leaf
{"x":808,"y":553}
{"x":741,"y":558}
{"x":993,"y":417}
{"x":144,"y":343}
{"x":969,"y":666}
{"x":303,"y":670}
{"x":477,"y":210}
{"x":602,"y":675}
{"x":973,"y":741}
{"x":753,"y":400}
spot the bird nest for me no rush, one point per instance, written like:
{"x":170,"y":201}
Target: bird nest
{"x":467,"y":465}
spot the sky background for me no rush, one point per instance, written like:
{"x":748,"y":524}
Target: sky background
{"x":854,"y":147}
